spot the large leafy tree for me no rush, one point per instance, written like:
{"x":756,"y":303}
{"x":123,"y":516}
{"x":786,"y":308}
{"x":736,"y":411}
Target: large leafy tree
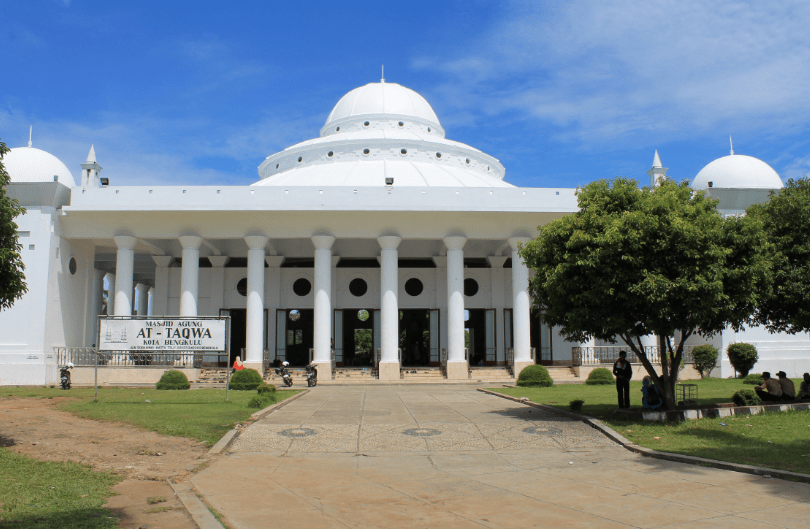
{"x":12,"y":278}
{"x":786,"y":221}
{"x":634,"y":262}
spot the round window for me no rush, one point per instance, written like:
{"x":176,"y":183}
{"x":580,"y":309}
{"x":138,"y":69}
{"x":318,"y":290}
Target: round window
{"x":302,"y":287}
{"x":401,"y":124}
{"x":276,"y":166}
{"x":241,"y":287}
{"x":404,"y":151}
{"x":72,"y":266}
{"x":438,"y":155}
{"x":300,"y":158}
{"x":428,"y":129}
{"x":330,"y":154}
{"x":295,"y":315}
{"x":358,"y":287}
{"x":468,"y":161}
{"x":413,"y":287}
{"x":362,"y":315}
{"x":337,"y":129}
{"x":470,"y":287}
{"x":366,"y":151}
{"x":366,"y":123}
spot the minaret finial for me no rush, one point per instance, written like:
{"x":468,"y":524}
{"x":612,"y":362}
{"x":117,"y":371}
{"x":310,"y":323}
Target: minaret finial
{"x":731,"y":142}
{"x":382,"y":80}
{"x":30,"y":133}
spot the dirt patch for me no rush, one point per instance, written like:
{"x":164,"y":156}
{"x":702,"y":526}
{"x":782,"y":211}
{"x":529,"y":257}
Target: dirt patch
{"x":35,"y":428}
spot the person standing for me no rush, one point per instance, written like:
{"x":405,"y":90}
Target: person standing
{"x":770,"y":390}
{"x":788,"y":389}
{"x":623,"y":373}
{"x":804,"y":388}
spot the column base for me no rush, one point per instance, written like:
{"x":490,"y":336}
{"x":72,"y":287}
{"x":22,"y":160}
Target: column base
{"x":254,"y":365}
{"x":458,"y":370}
{"x":324,"y":370}
{"x":520,"y":365}
{"x":388,"y":371}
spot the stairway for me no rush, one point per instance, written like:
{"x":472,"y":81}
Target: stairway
{"x":297,"y":374}
{"x":211,"y":377}
{"x":423,"y":375}
{"x":354,"y":375}
{"x":492,"y":374}
{"x":563,"y":375}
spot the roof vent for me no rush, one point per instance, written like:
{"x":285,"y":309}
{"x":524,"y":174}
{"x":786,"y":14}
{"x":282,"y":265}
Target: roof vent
{"x":104,"y":181}
{"x":710,"y":184}
{"x":389,"y":181}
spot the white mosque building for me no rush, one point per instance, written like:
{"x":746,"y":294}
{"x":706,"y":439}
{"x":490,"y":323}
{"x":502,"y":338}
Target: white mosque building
{"x":381,"y":224}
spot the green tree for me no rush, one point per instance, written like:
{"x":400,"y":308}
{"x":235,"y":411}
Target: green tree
{"x":786,"y":221}
{"x":634,"y":262}
{"x":12,"y":278}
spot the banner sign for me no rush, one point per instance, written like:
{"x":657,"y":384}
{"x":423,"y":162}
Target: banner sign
{"x":162,"y":334}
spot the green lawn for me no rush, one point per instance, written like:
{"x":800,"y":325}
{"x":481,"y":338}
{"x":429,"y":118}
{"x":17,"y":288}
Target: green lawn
{"x":775,"y":440}
{"x":51,"y":495}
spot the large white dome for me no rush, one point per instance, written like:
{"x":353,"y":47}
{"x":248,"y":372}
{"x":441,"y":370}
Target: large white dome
{"x":738,"y":171}
{"x":32,"y":165}
{"x":377,"y":99}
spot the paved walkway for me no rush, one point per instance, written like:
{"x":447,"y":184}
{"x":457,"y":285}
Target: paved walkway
{"x":453,"y":457}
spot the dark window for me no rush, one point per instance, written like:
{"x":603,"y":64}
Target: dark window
{"x":470,"y":287}
{"x":302,"y":287}
{"x":414,"y":287}
{"x":358,"y":287}
{"x":358,"y":263}
{"x":72,"y":266}
{"x":298,"y":262}
{"x":241,"y":286}
{"x":416,"y":263}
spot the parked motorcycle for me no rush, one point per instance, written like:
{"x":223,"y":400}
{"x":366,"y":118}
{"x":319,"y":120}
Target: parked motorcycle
{"x":64,"y":375}
{"x":311,"y":376}
{"x":284,"y":373}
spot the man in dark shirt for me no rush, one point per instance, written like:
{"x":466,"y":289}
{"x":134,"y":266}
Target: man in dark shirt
{"x":774,"y":389}
{"x":623,"y":373}
{"x":788,"y":389}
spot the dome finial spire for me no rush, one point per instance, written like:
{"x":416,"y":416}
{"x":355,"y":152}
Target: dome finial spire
{"x":30,"y":134}
{"x":382,"y":78}
{"x":731,"y":142}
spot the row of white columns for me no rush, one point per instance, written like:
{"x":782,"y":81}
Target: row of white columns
{"x":322,"y":335}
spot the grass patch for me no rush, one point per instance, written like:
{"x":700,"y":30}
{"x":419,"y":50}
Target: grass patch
{"x":201,"y":414}
{"x":46,"y":494}
{"x":155,"y":499}
{"x":778,"y":440}
{"x":155,"y":510}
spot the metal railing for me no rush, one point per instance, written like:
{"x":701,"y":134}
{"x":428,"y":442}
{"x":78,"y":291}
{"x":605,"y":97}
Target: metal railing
{"x":510,"y":357}
{"x":608,"y":354}
{"x":86,"y":357}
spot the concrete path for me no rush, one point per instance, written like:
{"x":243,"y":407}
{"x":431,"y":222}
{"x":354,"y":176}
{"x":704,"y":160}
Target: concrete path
{"x":454,"y":457}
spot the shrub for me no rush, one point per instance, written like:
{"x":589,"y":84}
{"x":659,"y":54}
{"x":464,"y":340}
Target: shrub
{"x":754,"y":380}
{"x":600,"y":376}
{"x":742,"y":356}
{"x":535,"y":376}
{"x":262,"y":401}
{"x":173,"y":380}
{"x":266,"y":389}
{"x":746,"y":397}
{"x":705,"y":359}
{"x":246,"y":379}
{"x":576,"y":405}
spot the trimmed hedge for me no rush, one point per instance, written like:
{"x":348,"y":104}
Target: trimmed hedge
{"x":262,"y":401}
{"x":746,"y":397}
{"x":173,"y":380}
{"x":600,"y":376}
{"x":705,"y":358}
{"x":743,"y":356}
{"x":246,"y":379}
{"x":535,"y":376}
{"x":754,"y":380}
{"x":266,"y":389}
{"x":576,"y":405}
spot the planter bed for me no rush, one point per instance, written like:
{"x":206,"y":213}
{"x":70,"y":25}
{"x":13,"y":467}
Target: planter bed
{"x":713,"y":410}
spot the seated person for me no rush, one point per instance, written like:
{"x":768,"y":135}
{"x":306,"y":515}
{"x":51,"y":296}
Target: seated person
{"x":804,"y":388}
{"x":774,"y":389}
{"x":651,"y":399}
{"x":788,"y":389}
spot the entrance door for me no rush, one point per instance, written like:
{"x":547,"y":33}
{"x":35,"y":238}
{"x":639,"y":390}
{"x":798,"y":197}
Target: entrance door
{"x":414,"y":337}
{"x":478,"y":344}
{"x":296,"y":328}
{"x":357,"y":340}
{"x":541,"y":339}
{"x":238,"y":338}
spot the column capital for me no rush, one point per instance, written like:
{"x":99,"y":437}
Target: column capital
{"x":218,"y":261}
{"x":190,"y":241}
{"x":162,"y":260}
{"x":496,"y":261}
{"x":323,"y":242}
{"x":515,"y":241}
{"x":256,"y":242}
{"x":127,"y":242}
{"x":455,"y":242}
{"x":389,"y":242}
{"x":140,"y":287}
{"x":274,"y":261}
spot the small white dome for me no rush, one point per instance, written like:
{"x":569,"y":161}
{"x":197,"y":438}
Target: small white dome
{"x":738,"y":171}
{"x":31,"y":165}
{"x":375,"y":99}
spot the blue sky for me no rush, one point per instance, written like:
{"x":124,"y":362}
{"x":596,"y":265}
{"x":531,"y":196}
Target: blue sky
{"x":562,"y":93}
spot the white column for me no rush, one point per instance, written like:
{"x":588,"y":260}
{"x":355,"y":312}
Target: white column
{"x":160,"y":297}
{"x":142,"y":298}
{"x":190,"y":275}
{"x":97,"y":285}
{"x":124,"y":267}
{"x":457,"y":367}
{"x":254,"y":334}
{"x":110,"y":294}
{"x":498,"y":301}
{"x":521,"y":307}
{"x":389,"y":305}
{"x":151,"y":301}
{"x":322,"y":339}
